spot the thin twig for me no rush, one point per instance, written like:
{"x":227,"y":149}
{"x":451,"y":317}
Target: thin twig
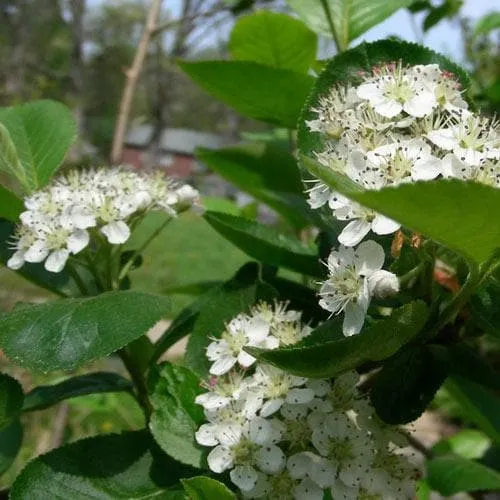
{"x":59,"y":427}
{"x":133,"y":74}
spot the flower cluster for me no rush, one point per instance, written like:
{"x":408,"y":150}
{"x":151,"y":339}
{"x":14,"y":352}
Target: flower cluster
{"x":288,"y":437}
{"x":400,"y":124}
{"x":106,"y":202}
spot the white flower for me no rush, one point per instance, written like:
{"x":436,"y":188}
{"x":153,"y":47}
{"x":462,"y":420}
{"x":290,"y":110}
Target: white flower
{"x":397,"y":89}
{"x":363,"y":220}
{"x":241,"y":332}
{"x":251,"y":445}
{"x":319,"y":469}
{"x":486,"y":172}
{"x":347,"y":288}
{"x":383,"y":284}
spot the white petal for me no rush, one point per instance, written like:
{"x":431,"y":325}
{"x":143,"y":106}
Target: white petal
{"x":426,"y":169}
{"x":245,"y":359}
{"x":78,"y":240}
{"x":253,"y":402}
{"x":222,"y":365}
{"x":294,"y":412}
{"x":307,"y":490}
{"x":116,"y":232}
{"x":205,"y":435}
{"x":322,"y":471}
{"x":421,"y":105}
{"x":320,"y":440}
{"x":388,"y":108}
{"x":299,"y":396}
{"x":257,"y":330}
{"x":383,"y":225}
{"x":369,"y":257}
{"x":270,"y":459}
{"x":353,"y":319}
{"x":244,"y":476}
{"x":298,"y":465}
{"x":444,"y":138}
{"x":319,"y":386}
{"x":212,"y":401}
{"x":228,"y":434}
{"x":354,"y":232}
{"x":220,"y":459}
{"x":56,"y":261}
{"x":369,"y":91}
{"x":271,"y":406}
{"x":17,"y":260}
{"x":36,"y":252}
{"x":260,"y":430}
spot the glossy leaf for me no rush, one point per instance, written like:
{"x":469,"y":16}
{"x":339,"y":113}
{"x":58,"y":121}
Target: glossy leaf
{"x":125,"y":466}
{"x":406,"y":385}
{"x":350,"y":18}
{"x":331,"y":358}
{"x":44,"y":396}
{"x":11,"y":399}
{"x":275,"y":40}
{"x":10,"y":205}
{"x":206,"y":488}
{"x":11,"y":439}
{"x":218,"y":307}
{"x":66,"y":334}
{"x":267,"y":172}
{"x":480,"y":405}
{"x":265,"y":244}
{"x":176,"y":416}
{"x":254,"y":90}
{"x":452,"y":474}
{"x":41,"y":133}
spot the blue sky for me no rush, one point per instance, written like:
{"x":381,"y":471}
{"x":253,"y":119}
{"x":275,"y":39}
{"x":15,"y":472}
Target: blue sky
{"x":445,"y":37}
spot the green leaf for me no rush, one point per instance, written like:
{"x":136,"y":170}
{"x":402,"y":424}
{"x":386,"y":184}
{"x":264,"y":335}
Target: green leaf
{"x":176,"y":417}
{"x":468,"y":443}
{"x":218,"y":307}
{"x":220,"y":205}
{"x":267,"y":172}
{"x":11,"y":439}
{"x":485,"y":307}
{"x":275,"y":40}
{"x":447,"y":9}
{"x":486,"y":24}
{"x":346,"y":68}
{"x":406,"y":385}
{"x":41,"y":132}
{"x":254,"y":90}
{"x":66,"y":334}
{"x":44,"y":396}
{"x":10,"y":205}
{"x":350,"y":18}
{"x":266,"y":244}
{"x":331,"y":358}
{"x":451,"y":474}
{"x":197,"y":288}
{"x":125,"y":466}
{"x":206,"y":488}
{"x":480,"y":405}
{"x":11,"y":400}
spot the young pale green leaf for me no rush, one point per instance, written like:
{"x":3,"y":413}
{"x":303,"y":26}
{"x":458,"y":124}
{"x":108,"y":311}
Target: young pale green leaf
{"x":254,"y":90}
{"x":11,"y":400}
{"x":266,"y":171}
{"x":346,"y":68}
{"x":41,"y":133}
{"x":125,"y":466}
{"x":451,"y":474}
{"x":266,"y":244}
{"x":206,"y":488}
{"x":480,"y":405}
{"x":10,"y":205}
{"x":10,"y":163}
{"x":44,"y":396}
{"x":468,"y":443}
{"x":350,"y":18}
{"x":331,"y":358}
{"x":176,"y":416}
{"x":275,"y":40}
{"x":66,"y":334}
{"x":212,"y":311}
{"x":11,"y":439}
{"x":406,"y":385}
{"x":486,"y":24}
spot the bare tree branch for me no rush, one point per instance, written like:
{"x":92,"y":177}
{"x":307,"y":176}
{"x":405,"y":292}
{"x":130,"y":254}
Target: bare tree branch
{"x":133,"y":74}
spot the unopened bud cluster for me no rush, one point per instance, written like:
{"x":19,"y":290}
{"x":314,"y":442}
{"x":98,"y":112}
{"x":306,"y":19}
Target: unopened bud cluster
{"x":104,"y":203}
{"x":288,"y":437}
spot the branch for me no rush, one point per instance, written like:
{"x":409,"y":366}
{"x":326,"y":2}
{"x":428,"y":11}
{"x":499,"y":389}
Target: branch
{"x":132,"y":78}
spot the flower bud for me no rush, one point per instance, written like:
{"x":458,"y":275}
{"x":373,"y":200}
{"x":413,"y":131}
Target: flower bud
{"x":383,"y":284}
